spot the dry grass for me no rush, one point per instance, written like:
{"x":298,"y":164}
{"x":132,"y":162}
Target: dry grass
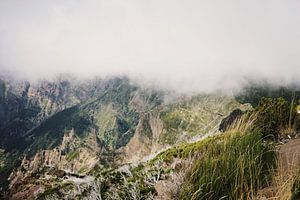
{"x":244,"y":123}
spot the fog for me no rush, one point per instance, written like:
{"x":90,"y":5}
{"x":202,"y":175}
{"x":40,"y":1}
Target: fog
{"x":191,"y":45}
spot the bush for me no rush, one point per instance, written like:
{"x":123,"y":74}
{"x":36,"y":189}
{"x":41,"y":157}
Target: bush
{"x":254,"y":93}
{"x":274,"y":115}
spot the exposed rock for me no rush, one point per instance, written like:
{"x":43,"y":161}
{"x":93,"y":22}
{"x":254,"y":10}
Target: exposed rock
{"x":68,"y":157}
{"x":230,"y":119}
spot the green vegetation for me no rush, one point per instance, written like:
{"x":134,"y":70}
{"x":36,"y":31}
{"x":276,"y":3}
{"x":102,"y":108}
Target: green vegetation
{"x":47,"y":193}
{"x":175,"y":122}
{"x":184,"y":150}
{"x":146,"y":127}
{"x":196,"y":116}
{"x":254,"y":93}
{"x":276,"y":117}
{"x":49,"y":134}
{"x":56,"y":191}
{"x":111,"y":114}
{"x":129,"y":183}
{"x":238,"y":163}
{"x":9,"y":162}
{"x":234,"y":167}
{"x":2,"y":158}
{"x":72,"y":155}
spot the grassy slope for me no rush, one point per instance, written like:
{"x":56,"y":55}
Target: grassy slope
{"x":238,"y":163}
{"x":231,"y":165}
{"x":197,"y":116}
{"x":87,"y":116}
{"x":234,"y":167}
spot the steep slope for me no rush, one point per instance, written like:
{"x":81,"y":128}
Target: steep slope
{"x":28,"y":113}
{"x":184,"y":120}
{"x":24,"y":105}
{"x":79,"y":130}
{"x":100,"y":125}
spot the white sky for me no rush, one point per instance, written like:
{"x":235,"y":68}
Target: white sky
{"x":185,"y":44}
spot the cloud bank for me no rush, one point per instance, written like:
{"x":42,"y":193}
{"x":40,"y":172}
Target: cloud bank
{"x":193,"y":45}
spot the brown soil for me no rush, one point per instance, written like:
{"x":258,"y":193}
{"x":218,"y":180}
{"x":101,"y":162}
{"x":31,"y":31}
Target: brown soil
{"x":288,"y":165}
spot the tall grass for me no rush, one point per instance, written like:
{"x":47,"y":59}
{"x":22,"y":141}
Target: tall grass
{"x":244,"y":123}
{"x":242,"y":161}
{"x":232,"y":168}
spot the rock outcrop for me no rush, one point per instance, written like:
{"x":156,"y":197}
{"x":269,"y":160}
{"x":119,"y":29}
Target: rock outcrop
{"x":230,"y":119}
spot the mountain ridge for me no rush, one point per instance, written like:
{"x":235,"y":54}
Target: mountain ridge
{"x":114,"y":123}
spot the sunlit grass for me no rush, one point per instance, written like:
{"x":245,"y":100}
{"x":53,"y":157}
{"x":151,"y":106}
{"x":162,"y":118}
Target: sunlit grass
{"x":232,"y":168}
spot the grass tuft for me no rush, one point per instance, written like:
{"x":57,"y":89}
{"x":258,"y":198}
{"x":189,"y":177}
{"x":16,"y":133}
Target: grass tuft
{"x":234,"y":167}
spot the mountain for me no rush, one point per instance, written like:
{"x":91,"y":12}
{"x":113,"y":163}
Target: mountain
{"x":112,"y":138}
{"x":72,"y":126}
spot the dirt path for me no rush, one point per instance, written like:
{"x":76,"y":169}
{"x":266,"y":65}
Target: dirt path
{"x":288,"y":166}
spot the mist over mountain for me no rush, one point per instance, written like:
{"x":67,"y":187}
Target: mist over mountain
{"x":188,"y":46}
{"x":149,"y":100}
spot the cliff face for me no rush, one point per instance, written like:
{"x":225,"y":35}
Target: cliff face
{"x":74,"y":127}
{"x":69,"y":157}
{"x":24,"y":106}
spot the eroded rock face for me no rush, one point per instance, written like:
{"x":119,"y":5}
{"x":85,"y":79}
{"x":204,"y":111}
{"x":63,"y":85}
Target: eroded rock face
{"x":145,"y":140}
{"x":70,"y":157}
{"x":24,"y":106}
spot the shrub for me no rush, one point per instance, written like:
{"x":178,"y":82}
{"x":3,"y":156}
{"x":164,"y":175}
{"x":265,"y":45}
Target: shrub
{"x":275,"y":115}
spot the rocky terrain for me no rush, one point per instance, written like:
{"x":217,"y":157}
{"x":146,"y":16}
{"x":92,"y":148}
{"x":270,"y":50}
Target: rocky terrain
{"x":115,"y":139}
{"x":72,"y":127}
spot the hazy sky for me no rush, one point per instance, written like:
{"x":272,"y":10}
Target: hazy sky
{"x":189,"y":44}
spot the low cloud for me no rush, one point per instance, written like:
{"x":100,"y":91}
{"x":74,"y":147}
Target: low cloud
{"x":184,"y":45}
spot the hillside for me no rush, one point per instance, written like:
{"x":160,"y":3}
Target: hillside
{"x":76,"y":126}
{"x":114,"y":139}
